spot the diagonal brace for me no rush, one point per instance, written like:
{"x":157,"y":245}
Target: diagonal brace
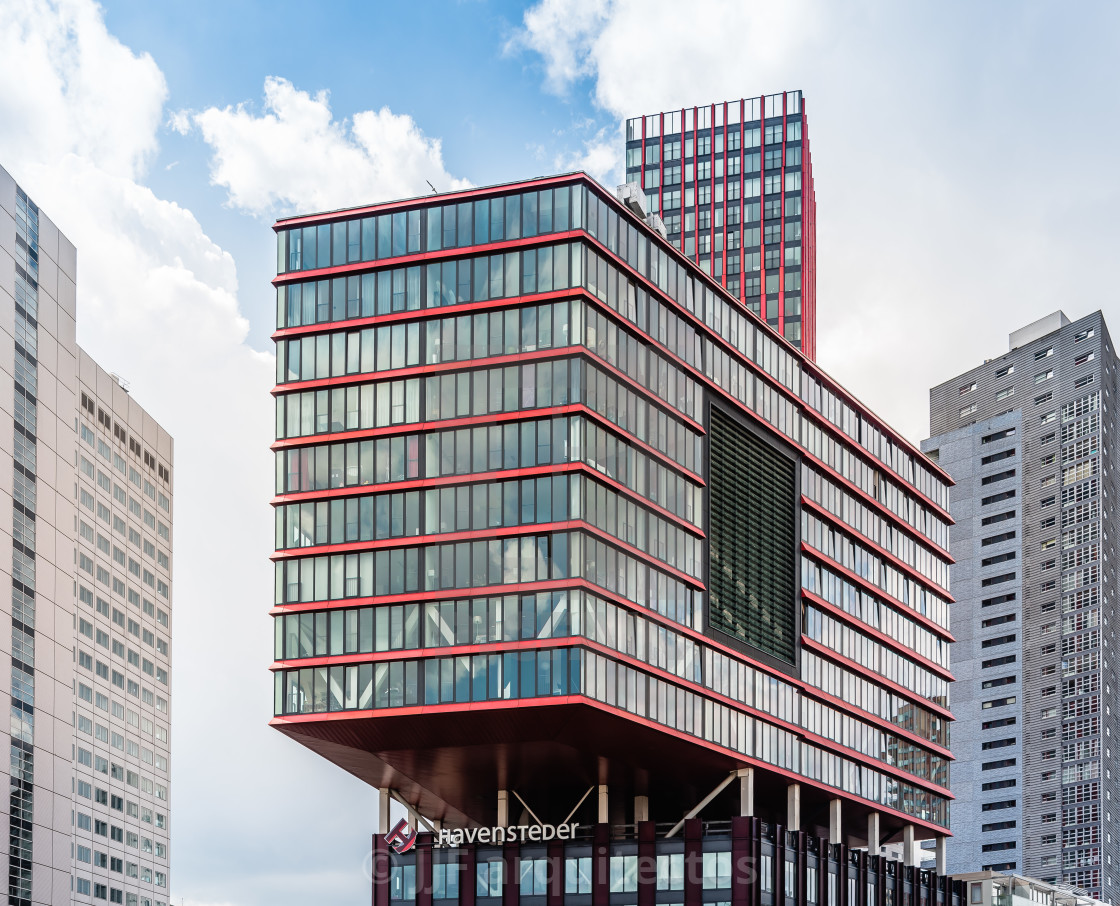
{"x":703,"y":802}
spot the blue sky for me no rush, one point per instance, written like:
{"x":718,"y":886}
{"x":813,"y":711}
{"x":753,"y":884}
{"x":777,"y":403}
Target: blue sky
{"x":966,"y":183}
{"x":441,"y":63}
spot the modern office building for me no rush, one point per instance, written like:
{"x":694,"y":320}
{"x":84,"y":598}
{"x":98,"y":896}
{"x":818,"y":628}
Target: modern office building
{"x":565,"y":534}
{"x":733,"y":184}
{"x":88,"y":485}
{"x":997,"y":888}
{"x":1026,"y":438}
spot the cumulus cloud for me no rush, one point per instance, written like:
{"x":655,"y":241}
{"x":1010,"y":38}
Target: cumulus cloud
{"x":660,"y":54}
{"x":295,"y":156}
{"x":563,"y":33}
{"x":68,"y":86}
{"x":598,"y":157}
{"x":158,"y":302}
{"x":932,"y":219}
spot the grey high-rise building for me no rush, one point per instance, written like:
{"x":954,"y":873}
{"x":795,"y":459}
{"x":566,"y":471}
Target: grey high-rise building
{"x":1027,"y":438}
{"x":85,"y":521}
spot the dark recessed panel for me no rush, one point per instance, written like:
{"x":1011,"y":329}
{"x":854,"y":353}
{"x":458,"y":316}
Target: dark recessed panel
{"x":752,"y":536}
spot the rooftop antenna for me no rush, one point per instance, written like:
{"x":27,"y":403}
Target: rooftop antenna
{"x":435,"y":191}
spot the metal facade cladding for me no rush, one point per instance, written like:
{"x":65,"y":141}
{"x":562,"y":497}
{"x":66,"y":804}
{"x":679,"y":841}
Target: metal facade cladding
{"x":449,"y":758}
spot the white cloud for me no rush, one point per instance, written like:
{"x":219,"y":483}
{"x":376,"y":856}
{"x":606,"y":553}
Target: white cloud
{"x":296,"y":157}
{"x":158,"y":304}
{"x":563,"y":33}
{"x":598,"y":157}
{"x":934,"y":218}
{"x":651,"y":55}
{"x":68,"y":86}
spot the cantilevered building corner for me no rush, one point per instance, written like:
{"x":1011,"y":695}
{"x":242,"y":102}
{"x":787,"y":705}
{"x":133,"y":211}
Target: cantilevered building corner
{"x":565,"y":534}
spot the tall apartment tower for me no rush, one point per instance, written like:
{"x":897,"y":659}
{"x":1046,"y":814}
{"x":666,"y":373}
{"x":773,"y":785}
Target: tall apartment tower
{"x":87,"y":482}
{"x":733,"y":184}
{"x":566,"y":536}
{"x":1027,"y":439}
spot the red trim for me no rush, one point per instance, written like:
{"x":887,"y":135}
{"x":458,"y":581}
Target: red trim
{"x":877,"y":592}
{"x":543,"y":528}
{"x":699,"y":324}
{"x":782,"y":224}
{"x":828,"y":654}
{"x":826,"y":425}
{"x":882,"y":638}
{"x":883,"y":509}
{"x":420,"y":710}
{"x":485,"y":477}
{"x":477,"y":420}
{"x":420,"y":427}
{"x":583,"y":584}
{"x":642,"y":667}
{"x":899,"y":564}
{"x":809,"y":244}
{"x":702,"y":378}
{"x":425,"y":314}
{"x":560,"y":352}
{"x":580,"y":177}
{"x":660,"y":165}
{"x":356,"y":268}
{"x":368,"y":377}
{"x":425,"y":201}
{"x":421,"y":597}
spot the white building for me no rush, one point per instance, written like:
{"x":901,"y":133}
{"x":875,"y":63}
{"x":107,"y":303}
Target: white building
{"x":994,"y":888}
{"x":89,"y":617}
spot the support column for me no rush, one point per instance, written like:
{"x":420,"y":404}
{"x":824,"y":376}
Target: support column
{"x":604,"y":813}
{"x":834,"y":833}
{"x":641,"y":809}
{"x":746,"y":792}
{"x":942,"y":855}
{"x":873,"y":839}
{"x":909,"y":846}
{"x":503,"y":808}
{"x":793,"y":807}
{"x":383,"y":810}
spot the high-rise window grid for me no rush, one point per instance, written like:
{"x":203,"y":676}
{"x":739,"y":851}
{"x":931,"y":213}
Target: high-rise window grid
{"x":22,"y":754}
{"x":436,"y":346}
{"x":122,"y":680}
{"x":733,"y":184}
{"x":1065,"y":489}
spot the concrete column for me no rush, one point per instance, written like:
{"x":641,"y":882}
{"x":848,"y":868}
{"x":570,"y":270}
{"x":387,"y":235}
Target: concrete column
{"x":641,"y":809}
{"x":834,"y":821}
{"x":909,"y":846}
{"x":746,"y":792}
{"x":410,"y":816}
{"x":942,"y":855}
{"x":383,"y":810}
{"x":873,"y":839}
{"x":604,"y":813}
{"x":503,"y":808}
{"x":793,"y":807}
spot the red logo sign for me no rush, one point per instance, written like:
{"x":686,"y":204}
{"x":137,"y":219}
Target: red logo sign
{"x":401,"y":838}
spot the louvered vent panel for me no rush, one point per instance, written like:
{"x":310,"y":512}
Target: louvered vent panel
{"x":752,"y":532}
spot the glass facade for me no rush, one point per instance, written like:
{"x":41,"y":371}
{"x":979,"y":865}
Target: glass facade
{"x":743,"y":860}
{"x":496,"y":483}
{"x":26,"y":371}
{"x":733,"y":184}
